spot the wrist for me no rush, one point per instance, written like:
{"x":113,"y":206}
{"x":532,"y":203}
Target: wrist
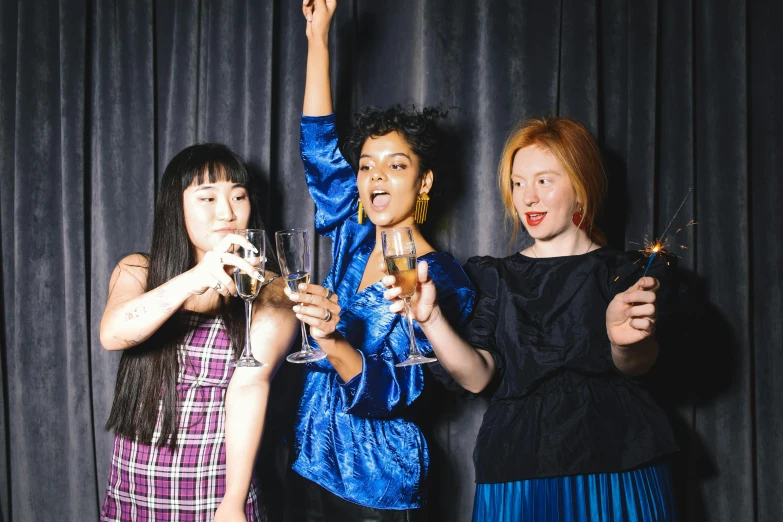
{"x":182,"y":285}
{"x":234,"y":498}
{"x":330,"y":344}
{"x":318,"y":42}
{"x":432,"y":320}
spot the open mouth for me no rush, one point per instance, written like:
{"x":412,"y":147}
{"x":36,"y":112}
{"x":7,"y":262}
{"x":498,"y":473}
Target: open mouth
{"x":534,"y":218}
{"x":379,"y":200}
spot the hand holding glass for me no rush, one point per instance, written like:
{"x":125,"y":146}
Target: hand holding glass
{"x":248,"y":288}
{"x":399,"y":251}
{"x":293,"y":252}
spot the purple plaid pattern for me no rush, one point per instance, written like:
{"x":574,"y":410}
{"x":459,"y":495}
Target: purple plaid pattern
{"x":150,"y":483}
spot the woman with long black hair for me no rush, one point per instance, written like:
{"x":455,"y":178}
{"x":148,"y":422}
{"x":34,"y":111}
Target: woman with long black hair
{"x":187,"y":424}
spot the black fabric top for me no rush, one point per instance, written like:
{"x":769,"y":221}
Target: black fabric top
{"x":561,"y":406}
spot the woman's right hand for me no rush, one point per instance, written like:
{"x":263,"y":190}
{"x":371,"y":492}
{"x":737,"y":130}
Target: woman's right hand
{"x":319,"y":17}
{"x":212,"y":272}
{"x":424,"y":303}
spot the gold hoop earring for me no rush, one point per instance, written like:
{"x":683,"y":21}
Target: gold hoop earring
{"x":422,"y":203}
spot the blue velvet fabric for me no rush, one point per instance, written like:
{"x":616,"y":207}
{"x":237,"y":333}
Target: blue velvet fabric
{"x":640,"y":495}
{"x":356,"y":439}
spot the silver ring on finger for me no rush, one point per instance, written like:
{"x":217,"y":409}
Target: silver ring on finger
{"x":218,"y":286}
{"x":328,"y":316}
{"x":329,"y":294}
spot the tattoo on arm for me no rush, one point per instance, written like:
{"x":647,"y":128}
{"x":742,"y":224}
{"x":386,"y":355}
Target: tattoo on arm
{"x":136,"y":313}
{"x":163,"y":302}
{"x":128,"y":342}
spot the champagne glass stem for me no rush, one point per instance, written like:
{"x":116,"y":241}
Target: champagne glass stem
{"x":248,"y":307}
{"x":409,"y":314}
{"x":305,"y":344}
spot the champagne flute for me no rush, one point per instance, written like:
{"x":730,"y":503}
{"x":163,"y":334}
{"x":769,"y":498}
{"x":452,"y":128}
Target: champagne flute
{"x":248,"y":287}
{"x":399,"y":251}
{"x":293,"y":252}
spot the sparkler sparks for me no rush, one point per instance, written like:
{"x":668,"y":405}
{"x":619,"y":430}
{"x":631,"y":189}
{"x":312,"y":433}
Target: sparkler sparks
{"x":658,"y":247}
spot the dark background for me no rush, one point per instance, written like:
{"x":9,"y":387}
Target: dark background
{"x":98,"y":95}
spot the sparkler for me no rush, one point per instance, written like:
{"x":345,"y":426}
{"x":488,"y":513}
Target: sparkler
{"x":659,"y":246}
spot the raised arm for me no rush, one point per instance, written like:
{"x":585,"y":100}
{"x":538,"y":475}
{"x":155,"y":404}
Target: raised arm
{"x":318,"y":90}
{"x":330,"y":179}
{"x":273,"y":331}
{"x":472,"y":368}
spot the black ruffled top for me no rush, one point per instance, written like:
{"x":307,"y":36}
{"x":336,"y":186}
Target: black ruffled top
{"x":561,"y":407}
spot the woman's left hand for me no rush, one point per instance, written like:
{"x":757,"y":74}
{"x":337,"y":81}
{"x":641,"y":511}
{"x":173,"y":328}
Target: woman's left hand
{"x":317,"y":307}
{"x":631,"y":316}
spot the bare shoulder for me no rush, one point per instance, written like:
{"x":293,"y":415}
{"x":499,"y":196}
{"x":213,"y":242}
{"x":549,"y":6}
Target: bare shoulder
{"x":135,"y":261}
{"x":131,"y":269}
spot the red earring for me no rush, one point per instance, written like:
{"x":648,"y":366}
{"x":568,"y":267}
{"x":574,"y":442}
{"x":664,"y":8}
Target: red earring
{"x":577,"y":219}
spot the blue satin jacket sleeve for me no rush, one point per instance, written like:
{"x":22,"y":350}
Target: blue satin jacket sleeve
{"x":330,"y":179}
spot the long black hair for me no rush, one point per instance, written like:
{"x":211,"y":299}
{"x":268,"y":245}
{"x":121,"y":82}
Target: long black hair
{"x":147,"y":373}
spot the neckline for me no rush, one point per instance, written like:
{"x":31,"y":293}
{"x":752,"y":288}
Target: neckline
{"x":573,"y":256}
{"x":357,"y":292}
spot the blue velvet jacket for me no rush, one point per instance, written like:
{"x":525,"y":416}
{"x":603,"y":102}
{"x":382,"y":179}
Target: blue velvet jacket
{"x":356,"y":439}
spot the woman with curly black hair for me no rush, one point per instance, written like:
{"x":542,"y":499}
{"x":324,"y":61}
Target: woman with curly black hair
{"x":358,"y":453}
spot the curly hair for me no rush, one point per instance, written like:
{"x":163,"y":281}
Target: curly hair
{"x":416,"y":126}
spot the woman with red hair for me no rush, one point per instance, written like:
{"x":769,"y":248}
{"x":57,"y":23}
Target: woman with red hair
{"x":562,"y":330}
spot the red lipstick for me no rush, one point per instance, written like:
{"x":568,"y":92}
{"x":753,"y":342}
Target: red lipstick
{"x":534,"y":218}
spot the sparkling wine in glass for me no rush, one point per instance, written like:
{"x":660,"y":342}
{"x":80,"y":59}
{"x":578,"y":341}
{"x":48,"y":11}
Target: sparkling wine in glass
{"x":293,"y":252}
{"x":248,"y":287}
{"x":399,"y":251}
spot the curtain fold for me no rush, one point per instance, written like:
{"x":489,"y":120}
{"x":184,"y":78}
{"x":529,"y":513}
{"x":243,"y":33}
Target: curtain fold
{"x":96,"y":96}
{"x":121,"y":178}
{"x":765,"y":252}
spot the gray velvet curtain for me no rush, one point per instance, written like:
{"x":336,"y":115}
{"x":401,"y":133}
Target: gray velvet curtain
{"x":96,"y":97}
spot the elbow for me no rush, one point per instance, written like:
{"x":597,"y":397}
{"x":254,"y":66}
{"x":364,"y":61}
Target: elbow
{"x":107,"y":342}
{"x":476,"y":387}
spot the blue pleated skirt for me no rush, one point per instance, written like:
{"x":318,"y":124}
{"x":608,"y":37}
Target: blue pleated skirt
{"x":643,"y":495}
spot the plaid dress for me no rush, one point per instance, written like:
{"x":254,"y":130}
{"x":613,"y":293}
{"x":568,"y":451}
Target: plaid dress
{"x":151,"y":483}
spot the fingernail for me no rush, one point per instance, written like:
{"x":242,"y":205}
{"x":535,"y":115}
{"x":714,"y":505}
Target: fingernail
{"x":255,"y":250}
{"x":309,"y":18}
{"x":293,"y":297}
{"x":296,"y":308}
{"x":258,"y":275}
{"x":302,"y":286}
{"x":299,"y":316}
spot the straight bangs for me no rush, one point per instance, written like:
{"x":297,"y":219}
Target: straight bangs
{"x":216,"y":165}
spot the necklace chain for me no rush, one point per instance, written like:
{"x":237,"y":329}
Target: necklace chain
{"x":533,"y":249}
